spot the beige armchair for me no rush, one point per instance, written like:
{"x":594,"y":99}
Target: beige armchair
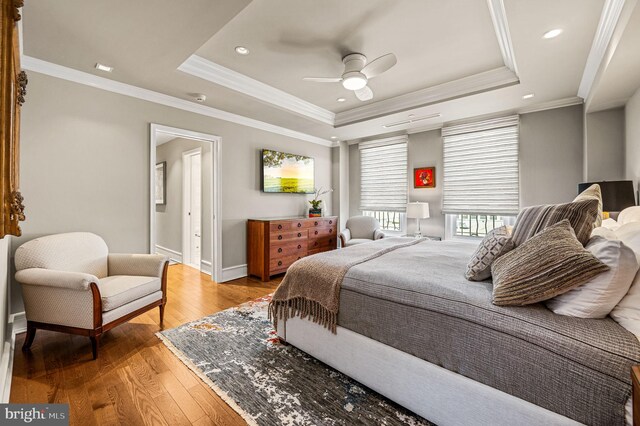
{"x":360,"y":229}
{"x":72,"y":284}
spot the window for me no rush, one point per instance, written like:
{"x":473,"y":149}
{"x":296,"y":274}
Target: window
{"x":383,"y":181}
{"x":481,"y":176}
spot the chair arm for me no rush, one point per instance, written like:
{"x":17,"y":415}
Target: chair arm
{"x":378,"y":234}
{"x":146,"y":265}
{"x":53,"y":278}
{"x":345,"y":236}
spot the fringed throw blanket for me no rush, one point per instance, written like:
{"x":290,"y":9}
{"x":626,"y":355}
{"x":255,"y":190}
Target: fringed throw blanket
{"x":311,"y":287}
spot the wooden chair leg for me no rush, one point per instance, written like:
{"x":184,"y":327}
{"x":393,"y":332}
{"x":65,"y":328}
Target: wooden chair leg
{"x":95,"y":340}
{"x":161,"y":313}
{"x":28,"y":339}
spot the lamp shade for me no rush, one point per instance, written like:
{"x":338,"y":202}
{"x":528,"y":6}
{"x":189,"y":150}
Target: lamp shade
{"x":616,"y":195}
{"x":417,"y":210}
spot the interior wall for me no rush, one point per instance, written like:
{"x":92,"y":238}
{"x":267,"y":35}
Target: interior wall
{"x":4,"y":298}
{"x":604,"y":145}
{"x":85,"y":166}
{"x":169,"y":215}
{"x":632,"y":139}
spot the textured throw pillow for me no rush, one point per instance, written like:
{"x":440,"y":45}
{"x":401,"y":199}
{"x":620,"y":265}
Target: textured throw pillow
{"x":547,"y":265}
{"x":495,"y":244}
{"x":592,"y":193}
{"x":531,"y":220}
{"x":598,"y":296}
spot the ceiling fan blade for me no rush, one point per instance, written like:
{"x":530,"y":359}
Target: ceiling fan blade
{"x":324,"y":79}
{"x":379,"y":65}
{"x":364,"y":94}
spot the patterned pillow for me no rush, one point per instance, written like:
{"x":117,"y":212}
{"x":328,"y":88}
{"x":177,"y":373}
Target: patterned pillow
{"x":581,"y":215}
{"x":592,"y":192}
{"x":495,"y":244}
{"x":546,"y":265}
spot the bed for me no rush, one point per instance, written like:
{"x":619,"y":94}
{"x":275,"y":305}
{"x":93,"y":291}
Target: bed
{"x":411,"y":327}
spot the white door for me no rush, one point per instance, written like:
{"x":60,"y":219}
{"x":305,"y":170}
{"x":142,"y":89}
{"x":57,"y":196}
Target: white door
{"x":192,"y":243}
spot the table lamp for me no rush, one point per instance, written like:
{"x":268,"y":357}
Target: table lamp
{"x":418,"y":211}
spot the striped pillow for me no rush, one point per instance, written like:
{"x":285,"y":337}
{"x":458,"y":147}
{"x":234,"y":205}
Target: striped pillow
{"x":592,"y":192}
{"x":581,"y":215}
{"x":545,"y":266}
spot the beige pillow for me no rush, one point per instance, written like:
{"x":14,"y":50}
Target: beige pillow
{"x":548,"y":264}
{"x":496,"y":243}
{"x":581,"y":215}
{"x":598,"y":296}
{"x":592,"y":192}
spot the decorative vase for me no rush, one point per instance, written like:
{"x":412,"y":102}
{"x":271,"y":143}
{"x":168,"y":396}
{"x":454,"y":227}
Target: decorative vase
{"x":315,"y":212}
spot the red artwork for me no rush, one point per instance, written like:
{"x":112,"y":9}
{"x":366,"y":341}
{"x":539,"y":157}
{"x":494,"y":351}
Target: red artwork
{"x":424,"y":177}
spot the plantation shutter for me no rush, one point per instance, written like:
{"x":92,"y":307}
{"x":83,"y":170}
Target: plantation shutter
{"x":383,"y":175}
{"x":481,"y":167}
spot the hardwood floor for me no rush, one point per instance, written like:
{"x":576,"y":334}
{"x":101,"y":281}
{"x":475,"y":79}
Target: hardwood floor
{"x":136,"y":380}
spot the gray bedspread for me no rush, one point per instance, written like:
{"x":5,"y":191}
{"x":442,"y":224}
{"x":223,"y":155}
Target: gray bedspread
{"x":417,"y":299}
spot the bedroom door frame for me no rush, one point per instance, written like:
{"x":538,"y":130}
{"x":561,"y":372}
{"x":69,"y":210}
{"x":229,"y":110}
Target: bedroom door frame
{"x":216,"y":207}
{"x":187,"y":207}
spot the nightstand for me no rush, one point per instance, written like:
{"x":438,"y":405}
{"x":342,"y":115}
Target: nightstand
{"x":635,"y":380}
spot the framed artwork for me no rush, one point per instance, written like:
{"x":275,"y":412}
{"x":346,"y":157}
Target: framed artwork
{"x":424,"y":177}
{"x":161,"y":184}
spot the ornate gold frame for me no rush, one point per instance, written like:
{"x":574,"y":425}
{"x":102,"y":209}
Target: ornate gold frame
{"x":13,"y":89}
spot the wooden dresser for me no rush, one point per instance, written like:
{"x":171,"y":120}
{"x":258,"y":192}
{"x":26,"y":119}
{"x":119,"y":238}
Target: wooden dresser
{"x":274,"y":244}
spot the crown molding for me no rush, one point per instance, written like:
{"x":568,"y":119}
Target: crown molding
{"x":501,"y":25}
{"x":558,"y":103}
{"x":478,"y":83}
{"x":608,"y":21}
{"x":210,"y":71}
{"x":70,"y":74}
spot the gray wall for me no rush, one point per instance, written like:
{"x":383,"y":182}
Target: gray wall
{"x":85,"y":166}
{"x":169,"y":216}
{"x":604,"y":145}
{"x":632,"y":139}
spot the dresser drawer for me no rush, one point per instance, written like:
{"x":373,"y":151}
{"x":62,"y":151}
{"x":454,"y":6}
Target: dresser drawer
{"x":316,"y":243}
{"x":276,"y":265}
{"x":288,"y":236}
{"x":289,"y":248}
{"x":322,"y":232}
{"x":287,"y":225}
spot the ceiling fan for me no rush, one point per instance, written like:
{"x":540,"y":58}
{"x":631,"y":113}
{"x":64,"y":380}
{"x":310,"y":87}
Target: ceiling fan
{"x":357,"y":73}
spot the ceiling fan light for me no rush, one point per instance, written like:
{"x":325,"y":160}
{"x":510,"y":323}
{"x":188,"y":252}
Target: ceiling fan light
{"x":354,"y":81}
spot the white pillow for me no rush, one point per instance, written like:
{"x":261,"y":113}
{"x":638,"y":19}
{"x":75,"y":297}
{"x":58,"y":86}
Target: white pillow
{"x":598,"y":296}
{"x":629,"y":233}
{"x":628,"y":215}
{"x":607,"y":233}
{"x":610,"y":224}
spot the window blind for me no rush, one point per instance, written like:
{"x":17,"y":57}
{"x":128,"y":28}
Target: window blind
{"x":481,"y":173}
{"x":383,"y":175}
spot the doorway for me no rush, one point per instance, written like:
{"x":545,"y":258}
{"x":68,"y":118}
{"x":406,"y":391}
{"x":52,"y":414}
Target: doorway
{"x":185,"y":198}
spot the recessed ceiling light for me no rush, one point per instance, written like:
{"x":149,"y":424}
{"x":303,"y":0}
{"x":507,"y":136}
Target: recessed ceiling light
{"x":334,"y":137}
{"x":103,"y":67}
{"x":241,"y":50}
{"x":341,"y":99}
{"x":528,"y":96}
{"x":552,"y":33}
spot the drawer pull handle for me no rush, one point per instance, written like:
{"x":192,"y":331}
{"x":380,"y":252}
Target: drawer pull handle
{"x":280,"y":250}
{"x":330,"y":231}
{"x":279,"y":262}
{"x":299,"y":246}
{"x":279,"y":226}
{"x":299,"y":258}
{"x":315,"y":244}
{"x":330,"y":241}
{"x":279,"y":237}
{"x":315,"y":223}
{"x":316,"y":232}
{"x":330,"y":222}
{"x":299,"y":224}
{"x":299,"y":235}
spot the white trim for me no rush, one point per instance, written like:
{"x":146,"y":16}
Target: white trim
{"x":466,"y":86}
{"x":608,"y":22}
{"x":186,"y":207}
{"x":205,"y":267}
{"x":216,"y":199}
{"x":215,"y":73}
{"x":501,"y":25}
{"x":176,"y":256}
{"x":17,"y":324}
{"x":70,"y":74}
{"x":558,"y":103}
{"x":234,"y":272}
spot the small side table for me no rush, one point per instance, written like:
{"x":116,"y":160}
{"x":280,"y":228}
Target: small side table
{"x":428,"y":237}
{"x":635,"y":380}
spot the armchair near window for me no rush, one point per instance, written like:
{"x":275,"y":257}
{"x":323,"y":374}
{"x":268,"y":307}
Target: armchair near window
{"x":360,"y":229}
{"x":72,"y":284}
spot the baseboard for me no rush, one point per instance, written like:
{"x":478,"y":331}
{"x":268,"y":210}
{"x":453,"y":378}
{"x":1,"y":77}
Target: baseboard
{"x":234,"y":272}
{"x":205,"y":267}
{"x":17,"y":324}
{"x":176,"y":256}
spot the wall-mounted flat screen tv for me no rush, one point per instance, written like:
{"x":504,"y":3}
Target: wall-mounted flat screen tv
{"x":283,"y":172}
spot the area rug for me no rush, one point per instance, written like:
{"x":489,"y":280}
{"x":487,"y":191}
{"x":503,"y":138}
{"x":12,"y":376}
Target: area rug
{"x":237,"y":353}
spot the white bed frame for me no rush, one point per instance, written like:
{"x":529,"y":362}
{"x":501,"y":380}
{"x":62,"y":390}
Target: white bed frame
{"x":437,"y":394}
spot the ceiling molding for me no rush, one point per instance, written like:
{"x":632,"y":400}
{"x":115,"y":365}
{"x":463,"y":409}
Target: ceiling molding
{"x":501,"y":25}
{"x":558,"y":103}
{"x":616,"y":103}
{"x":59,"y":71}
{"x":210,"y":71}
{"x":478,"y":83}
{"x":608,"y":22}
